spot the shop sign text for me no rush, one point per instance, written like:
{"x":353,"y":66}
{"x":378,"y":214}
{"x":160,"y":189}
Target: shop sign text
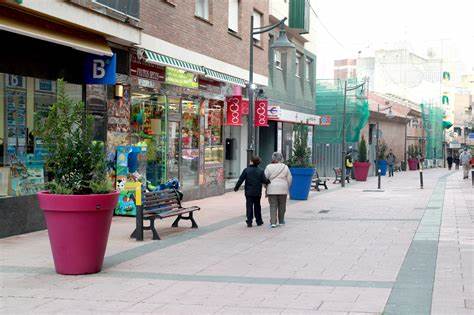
{"x":181,"y":78}
{"x":100,"y":69}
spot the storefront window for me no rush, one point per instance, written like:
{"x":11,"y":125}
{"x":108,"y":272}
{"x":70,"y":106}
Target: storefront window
{"x":190,"y":133}
{"x":214,"y":150}
{"x":22,"y":101}
{"x":148,"y":115}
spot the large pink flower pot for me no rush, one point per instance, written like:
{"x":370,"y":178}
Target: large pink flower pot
{"x":78,"y":229}
{"x":361,"y":170}
{"x":412,"y":164}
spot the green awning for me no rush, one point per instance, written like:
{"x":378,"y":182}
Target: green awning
{"x":222,"y":77}
{"x":163,"y":60}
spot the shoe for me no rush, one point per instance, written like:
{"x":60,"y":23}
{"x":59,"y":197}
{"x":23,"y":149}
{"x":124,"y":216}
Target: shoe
{"x":282,"y":223}
{"x":273,"y":226}
{"x":249,"y":225}
{"x":261,"y":223}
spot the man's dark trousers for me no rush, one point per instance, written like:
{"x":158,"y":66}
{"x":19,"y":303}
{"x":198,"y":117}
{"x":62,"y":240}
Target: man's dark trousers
{"x":254,"y":207}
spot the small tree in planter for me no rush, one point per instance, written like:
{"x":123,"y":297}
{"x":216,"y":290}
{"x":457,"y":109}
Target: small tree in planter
{"x":382,"y":162}
{"x":80,"y":200}
{"x":300,"y":164}
{"x":361,"y":166}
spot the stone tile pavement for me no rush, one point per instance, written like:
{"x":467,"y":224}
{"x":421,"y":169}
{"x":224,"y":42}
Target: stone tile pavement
{"x":344,"y":251}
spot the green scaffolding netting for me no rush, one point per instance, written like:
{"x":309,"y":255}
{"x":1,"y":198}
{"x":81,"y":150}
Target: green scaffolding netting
{"x":433,"y":124}
{"x":330,"y":106}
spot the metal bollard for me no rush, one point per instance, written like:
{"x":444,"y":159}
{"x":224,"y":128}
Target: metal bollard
{"x":472,"y":177}
{"x":421,"y":177}
{"x":379,"y":178}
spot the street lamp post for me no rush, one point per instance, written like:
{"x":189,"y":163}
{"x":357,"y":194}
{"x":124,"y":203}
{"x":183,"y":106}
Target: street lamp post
{"x":343,"y":150}
{"x":281,"y":43}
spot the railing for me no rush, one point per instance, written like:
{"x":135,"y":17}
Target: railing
{"x":130,"y":8}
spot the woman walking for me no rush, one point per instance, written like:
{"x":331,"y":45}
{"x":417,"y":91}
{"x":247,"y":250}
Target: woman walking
{"x":280,"y":181}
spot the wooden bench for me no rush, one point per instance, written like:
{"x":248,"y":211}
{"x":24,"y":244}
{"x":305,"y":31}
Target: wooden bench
{"x":318,"y":181}
{"x":338,"y":175}
{"x":161,"y":204}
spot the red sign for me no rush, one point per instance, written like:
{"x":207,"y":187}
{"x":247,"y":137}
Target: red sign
{"x":261,"y":113}
{"x":245,"y":107}
{"x":234,"y":110}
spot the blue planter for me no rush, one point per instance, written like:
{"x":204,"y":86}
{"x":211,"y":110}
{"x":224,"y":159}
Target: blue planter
{"x":301,"y":184}
{"x":382,"y":165}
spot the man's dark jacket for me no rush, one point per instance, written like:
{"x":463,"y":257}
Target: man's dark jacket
{"x":254,"y":177}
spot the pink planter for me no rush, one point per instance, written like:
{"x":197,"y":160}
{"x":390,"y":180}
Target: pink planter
{"x":78,"y":229}
{"x":412,"y":164}
{"x":361,"y":170}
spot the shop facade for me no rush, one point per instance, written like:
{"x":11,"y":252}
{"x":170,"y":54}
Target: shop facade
{"x":280,"y":133}
{"x":177,"y":112}
{"x":28,"y":87}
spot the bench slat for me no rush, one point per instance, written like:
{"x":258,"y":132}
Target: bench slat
{"x":176,"y":212}
{"x":154,"y":203}
{"x":160,"y":209}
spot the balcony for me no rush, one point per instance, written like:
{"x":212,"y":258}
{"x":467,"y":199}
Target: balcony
{"x":129,"y":8}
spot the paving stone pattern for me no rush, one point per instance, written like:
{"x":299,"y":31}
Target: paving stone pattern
{"x":344,"y":251}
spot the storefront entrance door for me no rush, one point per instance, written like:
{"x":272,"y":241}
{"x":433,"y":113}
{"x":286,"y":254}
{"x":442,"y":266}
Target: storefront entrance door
{"x":174,"y":134}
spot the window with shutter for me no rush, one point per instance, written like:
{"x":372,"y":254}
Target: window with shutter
{"x":257,"y":22}
{"x":202,"y":9}
{"x":233,"y":24}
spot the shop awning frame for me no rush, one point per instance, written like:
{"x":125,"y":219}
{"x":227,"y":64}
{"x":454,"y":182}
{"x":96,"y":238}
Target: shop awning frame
{"x":222,"y":77}
{"x":51,"y":32}
{"x":162,"y":60}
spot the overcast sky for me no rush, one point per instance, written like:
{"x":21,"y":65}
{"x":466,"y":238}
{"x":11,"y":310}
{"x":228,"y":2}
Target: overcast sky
{"x":364,"y":25}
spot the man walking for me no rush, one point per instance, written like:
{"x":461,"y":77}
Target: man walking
{"x":254,"y":177}
{"x":391,"y":162}
{"x":465,"y":160}
{"x":450,"y":162}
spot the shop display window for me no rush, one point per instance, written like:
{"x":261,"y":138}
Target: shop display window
{"x":148,"y":118}
{"x":190,"y":134}
{"x":213,"y":142}
{"x":24,"y":102}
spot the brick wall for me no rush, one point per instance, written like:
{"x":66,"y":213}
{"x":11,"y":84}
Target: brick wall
{"x":174,"y":21}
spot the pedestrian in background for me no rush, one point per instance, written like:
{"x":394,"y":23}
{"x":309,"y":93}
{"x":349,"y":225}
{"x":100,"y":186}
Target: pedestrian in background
{"x":391,"y":162}
{"x":456,"y":162}
{"x":449,"y":159}
{"x":280,"y":181}
{"x":254,"y":178}
{"x":349,"y":165}
{"x":465,"y":160}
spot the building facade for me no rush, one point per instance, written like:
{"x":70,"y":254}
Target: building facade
{"x":163,"y":116}
{"x":345,"y":69}
{"x":291,"y":90}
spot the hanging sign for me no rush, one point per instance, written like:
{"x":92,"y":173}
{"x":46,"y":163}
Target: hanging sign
{"x":245,"y":107}
{"x":234,"y":110}
{"x":261,"y":113}
{"x":100,"y":69}
{"x":181,"y":78}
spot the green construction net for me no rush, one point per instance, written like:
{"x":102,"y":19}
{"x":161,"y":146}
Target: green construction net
{"x":433,"y":124}
{"x":330,"y":106}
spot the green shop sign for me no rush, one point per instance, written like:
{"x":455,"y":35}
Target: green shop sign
{"x":181,"y":78}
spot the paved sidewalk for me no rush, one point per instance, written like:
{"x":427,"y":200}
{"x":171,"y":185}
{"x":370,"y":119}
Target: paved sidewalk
{"x":344,"y":251}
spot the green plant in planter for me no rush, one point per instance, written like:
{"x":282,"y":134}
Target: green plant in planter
{"x":382,"y":151}
{"x":301,"y":154}
{"x":412,"y":151}
{"x":362,"y":150}
{"x":76,"y":163}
